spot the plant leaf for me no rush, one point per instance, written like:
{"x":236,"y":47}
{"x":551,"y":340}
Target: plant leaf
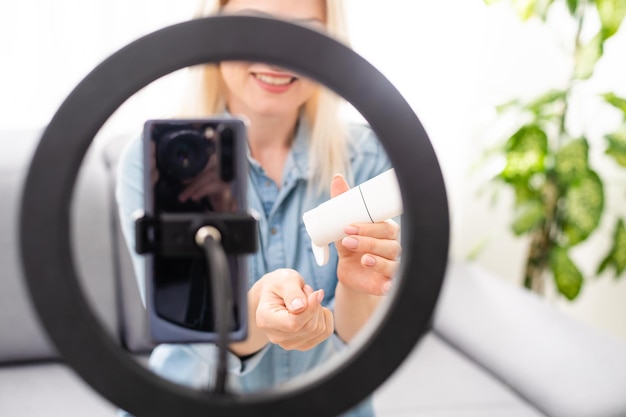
{"x":611,"y":14}
{"x":542,"y":7}
{"x":572,"y":5}
{"x":571,"y":161}
{"x":615,"y":101}
{"x":538,"y":105}
{"x":587,"y":56}
{"x":524,"y":193}
{"x":477,"y":249}
{"x":525,"y":154}
{"x":617,"y":146}
{"x":529,"y":216}
{"x":500,"y":108}
{"x":584,"y":203}
{"x":524,"y":8}
{"x":617,"y":255}
{"x":619,"y":248}
{"x":567,"y":276}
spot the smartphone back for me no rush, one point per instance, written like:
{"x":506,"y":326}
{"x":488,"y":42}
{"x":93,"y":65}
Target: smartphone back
{"x":194,"y":169}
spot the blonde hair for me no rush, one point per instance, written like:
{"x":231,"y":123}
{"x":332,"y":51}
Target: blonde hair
{"x":328,"y":148}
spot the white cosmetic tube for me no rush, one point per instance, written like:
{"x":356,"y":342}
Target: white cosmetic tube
{"x":373,"y":201}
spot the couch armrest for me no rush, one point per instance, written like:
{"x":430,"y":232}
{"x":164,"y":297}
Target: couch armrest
{"x":22,"y":338}
{"x":560,"y":365}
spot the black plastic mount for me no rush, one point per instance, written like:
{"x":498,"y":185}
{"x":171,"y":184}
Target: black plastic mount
{"x":173,"y":234}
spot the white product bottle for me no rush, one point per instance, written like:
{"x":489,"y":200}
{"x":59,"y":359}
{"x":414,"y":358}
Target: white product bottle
{"x":375,"y":200}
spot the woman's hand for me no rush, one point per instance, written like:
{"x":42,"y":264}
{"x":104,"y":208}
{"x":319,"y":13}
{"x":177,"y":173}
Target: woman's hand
{"x":290,"y":312}
{"x":368,"y":255}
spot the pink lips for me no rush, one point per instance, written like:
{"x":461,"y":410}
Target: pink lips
{"x":274,"y":82}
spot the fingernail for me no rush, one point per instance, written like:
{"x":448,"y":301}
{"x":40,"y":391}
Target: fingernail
{"x":369,"y":260}
{"x":350,"y":242}
{"x":297,"y":304}
{"x":351,"y":230}
{"x":386,"y":287}
{"x":320,"y":296}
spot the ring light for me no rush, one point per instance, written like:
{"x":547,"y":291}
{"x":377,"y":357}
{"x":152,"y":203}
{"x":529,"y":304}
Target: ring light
{"x":45,"y":216}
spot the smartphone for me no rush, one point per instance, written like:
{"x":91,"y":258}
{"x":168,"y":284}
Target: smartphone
{"x":194,"y":169}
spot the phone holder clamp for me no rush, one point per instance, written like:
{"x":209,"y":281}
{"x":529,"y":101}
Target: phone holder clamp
{"x":175,"y":234}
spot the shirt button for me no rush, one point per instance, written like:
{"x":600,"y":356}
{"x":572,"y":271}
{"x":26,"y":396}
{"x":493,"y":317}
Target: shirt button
{"x":274,"y":230}
{"x":267,"y":183}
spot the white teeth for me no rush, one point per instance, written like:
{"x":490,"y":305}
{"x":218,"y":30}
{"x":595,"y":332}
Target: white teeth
{"x":274,"y":80}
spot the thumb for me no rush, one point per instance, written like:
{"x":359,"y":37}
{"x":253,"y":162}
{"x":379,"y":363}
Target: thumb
{"x":316,"y":297}
{"x":338,"y":185}
{"x":292,"y":292}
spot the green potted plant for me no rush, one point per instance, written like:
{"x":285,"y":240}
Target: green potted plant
{"x":559,"y":195}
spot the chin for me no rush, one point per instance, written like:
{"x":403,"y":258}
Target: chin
{"x":273,"y":109}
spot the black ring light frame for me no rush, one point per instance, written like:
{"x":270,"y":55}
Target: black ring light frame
{"x":45,"y":238}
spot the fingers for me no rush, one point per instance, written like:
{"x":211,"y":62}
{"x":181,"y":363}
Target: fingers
{"x":323,"y":328}
{"x":288,"y":289}
{"x":305,"y":330}
{"x":338,"y":185}
{"x":385,"y":267}
{"x":375,"y":242}
{"x":292,"y":290}
{"x":372,"y":251}
{"x":389,"y":249}
{"x":383,"y":230}
{"x":291,"y":312}
{"x":303,"y":319}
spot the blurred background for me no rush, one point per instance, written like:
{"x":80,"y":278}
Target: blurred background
{"x":453,"y":60}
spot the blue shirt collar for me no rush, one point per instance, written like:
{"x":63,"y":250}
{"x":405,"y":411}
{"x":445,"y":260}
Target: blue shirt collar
{"x":297,"y":164}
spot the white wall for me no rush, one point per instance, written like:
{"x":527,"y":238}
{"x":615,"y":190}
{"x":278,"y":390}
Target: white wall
{"x":455,"y":60}
{"x":48,"y":47}
{"x":452,"y":59}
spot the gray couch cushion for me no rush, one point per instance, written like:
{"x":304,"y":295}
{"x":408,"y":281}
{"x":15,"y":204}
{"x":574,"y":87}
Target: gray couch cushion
{"x":562,"y":366}
{"x":21,"y":335}
{"x":438,"y":381}
{"x":134,"y":330}
{"x":48,"y":390}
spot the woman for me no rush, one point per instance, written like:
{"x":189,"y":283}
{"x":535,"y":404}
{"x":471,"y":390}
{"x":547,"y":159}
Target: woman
{"x":300,"y":314}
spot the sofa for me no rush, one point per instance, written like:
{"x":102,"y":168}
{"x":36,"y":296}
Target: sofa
{"x":493,"y":349}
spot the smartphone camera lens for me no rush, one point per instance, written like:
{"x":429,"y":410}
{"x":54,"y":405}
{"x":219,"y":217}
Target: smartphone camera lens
{"x":183,"y":154}
{"x":227,"y":155}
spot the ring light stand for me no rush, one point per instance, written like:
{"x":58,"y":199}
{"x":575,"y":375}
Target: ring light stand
{"x":45,"y":217}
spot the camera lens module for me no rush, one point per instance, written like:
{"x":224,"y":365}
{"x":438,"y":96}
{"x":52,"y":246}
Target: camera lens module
{"x":183,"y":154}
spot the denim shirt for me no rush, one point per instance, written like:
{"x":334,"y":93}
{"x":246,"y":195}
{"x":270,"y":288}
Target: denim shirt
{"x":284,"y":243}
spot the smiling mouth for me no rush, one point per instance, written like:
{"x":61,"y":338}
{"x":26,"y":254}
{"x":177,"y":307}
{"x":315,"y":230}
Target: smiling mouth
{"x":278,"y":80}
